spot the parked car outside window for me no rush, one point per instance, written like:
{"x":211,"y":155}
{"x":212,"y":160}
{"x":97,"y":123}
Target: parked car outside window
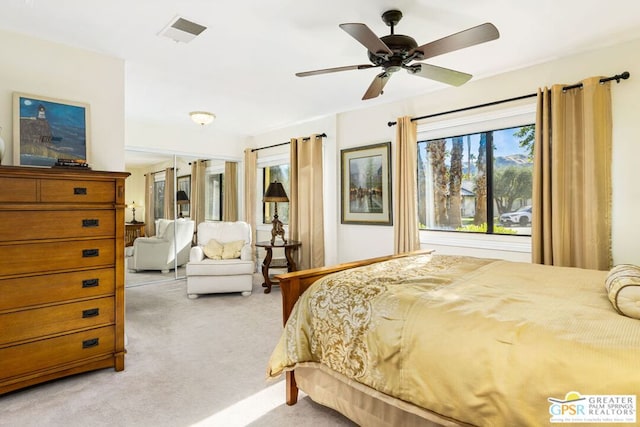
{"x":520,"y":217}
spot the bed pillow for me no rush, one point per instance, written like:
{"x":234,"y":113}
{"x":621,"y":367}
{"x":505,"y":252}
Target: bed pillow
{"x":216,"y":250}
{"x":623,"y":287}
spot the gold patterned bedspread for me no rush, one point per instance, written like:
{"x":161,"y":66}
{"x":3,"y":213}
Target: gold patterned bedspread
{"x":482,"y":341}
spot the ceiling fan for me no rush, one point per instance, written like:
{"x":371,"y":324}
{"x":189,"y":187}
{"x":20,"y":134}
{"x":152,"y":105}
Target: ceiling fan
{"x":395,"y":52}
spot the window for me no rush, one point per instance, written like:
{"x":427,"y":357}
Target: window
{"x":158,"y":199}
{"x":214,"y":191}
{"x":270,"y":174}
{"x":477,"y":182}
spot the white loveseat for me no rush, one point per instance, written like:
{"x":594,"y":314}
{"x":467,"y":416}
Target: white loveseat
{"x":206,"y":275}
{"x":158,"y":252}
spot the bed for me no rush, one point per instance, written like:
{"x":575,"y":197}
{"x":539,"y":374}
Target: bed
{"x":428,"y":339}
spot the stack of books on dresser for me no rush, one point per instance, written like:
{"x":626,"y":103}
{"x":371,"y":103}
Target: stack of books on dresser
{"x":71,"y":163}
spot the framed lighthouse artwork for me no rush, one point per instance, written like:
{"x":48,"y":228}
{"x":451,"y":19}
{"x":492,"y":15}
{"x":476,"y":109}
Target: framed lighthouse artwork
{"x":48,"y":130}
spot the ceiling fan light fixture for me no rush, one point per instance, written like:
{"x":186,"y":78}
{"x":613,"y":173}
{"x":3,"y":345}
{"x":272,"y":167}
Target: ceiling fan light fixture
{"x":394,"y":52}
{"x":202,"y":117}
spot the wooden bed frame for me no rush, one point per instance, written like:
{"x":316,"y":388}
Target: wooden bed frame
{"x":292,"y":285}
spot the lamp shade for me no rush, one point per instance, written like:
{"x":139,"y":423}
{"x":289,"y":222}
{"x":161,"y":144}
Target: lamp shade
{"x":181,"y":197}
{"x":275,"y":193}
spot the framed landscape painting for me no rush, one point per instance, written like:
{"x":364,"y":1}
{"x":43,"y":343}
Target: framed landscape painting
{"x":48,"y":129}
{"x":366,"y":185}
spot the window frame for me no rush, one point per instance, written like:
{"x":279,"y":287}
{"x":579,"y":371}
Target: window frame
{"x":262,"y":163}
{"x":158,"y":178}
{"x":467,"y":123}
{"x":267,"y":214}
{"x":215,"y":170}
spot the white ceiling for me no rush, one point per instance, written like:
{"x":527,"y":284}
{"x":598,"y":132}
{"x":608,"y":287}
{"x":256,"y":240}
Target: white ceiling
{"x":242,"y":67}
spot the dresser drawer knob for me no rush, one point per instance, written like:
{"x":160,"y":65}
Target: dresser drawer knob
{"x":93,"y":342}
{"x":80,"y":191}
{"x":90,"y":253}
{"x":90,"y":283}
{"x":92,"y":312}
{"x":90,"y":222}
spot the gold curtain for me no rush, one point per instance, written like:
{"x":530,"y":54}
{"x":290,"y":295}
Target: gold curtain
{"x":150,"y":224}
{"x":169,"y":194}
{"x":196,"y":199}
{"x":230,"y":192}
{"x":250,"y":190}
{"x":306,"y":217}
{"x":571,"y":224}
{"x":405,"y":206}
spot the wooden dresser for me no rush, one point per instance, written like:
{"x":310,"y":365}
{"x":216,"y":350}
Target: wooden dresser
{"x":61,"y":273}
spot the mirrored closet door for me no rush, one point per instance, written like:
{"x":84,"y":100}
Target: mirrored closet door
{"x":164,"y":205}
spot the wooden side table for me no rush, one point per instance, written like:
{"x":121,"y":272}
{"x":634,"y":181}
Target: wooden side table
{"x":267,"y":263}
{"x":132,"y":231}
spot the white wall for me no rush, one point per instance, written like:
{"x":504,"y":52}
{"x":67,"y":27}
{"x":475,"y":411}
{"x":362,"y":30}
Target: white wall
{"x":37,"y":67}
{"x":134,"y":192}
{"x":185,"y":138}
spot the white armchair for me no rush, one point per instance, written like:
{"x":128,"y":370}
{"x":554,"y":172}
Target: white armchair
{"x":158,"y":252}
{"x":206,"y":275}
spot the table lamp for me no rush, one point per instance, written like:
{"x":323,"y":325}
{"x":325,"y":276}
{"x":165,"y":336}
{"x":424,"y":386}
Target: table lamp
{"x":133,"y":212}
{"x":275,"y":193}
{"x":181,"y":199}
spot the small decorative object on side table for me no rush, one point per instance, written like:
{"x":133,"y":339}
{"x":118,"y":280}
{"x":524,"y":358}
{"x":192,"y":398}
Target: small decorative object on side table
{"x":267,"y":264}
{"x":133,"y":207}
{"x":275,"y":193}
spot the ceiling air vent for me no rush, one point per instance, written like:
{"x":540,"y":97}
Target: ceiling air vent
{"x":182,"y":30}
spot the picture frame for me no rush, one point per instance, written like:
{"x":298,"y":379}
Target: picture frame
{"x":47,"y":129}
{"x":366,"y":185}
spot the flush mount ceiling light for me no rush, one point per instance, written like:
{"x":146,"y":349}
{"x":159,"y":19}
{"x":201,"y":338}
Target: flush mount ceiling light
{"x":202,"y":117}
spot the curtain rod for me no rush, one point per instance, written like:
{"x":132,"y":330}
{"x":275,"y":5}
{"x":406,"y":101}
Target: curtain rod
{"x":157,"y":172}
{"x":322,"y":135}
{"x":624,"y":76}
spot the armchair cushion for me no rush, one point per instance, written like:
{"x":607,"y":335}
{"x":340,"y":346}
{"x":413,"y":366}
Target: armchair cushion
{"x":162,"y":227}
{"x":213,"y":249}
{"x":220,"y":268}
{"x":232,"y":250}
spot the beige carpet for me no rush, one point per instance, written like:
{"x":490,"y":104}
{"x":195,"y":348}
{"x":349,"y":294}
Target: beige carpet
{"x":145,"y":277}
{"x":189,"y":362}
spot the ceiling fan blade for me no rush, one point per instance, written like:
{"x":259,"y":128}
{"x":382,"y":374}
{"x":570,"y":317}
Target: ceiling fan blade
{"x":376,"y":86}
{"x":367,"y":38}
{"x":335,"y":70}
{"x":469,"y":37}
{"x":444,"y":75}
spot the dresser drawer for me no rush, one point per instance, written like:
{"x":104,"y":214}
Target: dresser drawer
{"x":39,"y":257}
{"x":71,"y":191}
{"x":54,"y":352}
{"x":28,"y":324}
{"x":33,"y":225}
{"x":18,"y":190}
{"x":51,"y":288}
